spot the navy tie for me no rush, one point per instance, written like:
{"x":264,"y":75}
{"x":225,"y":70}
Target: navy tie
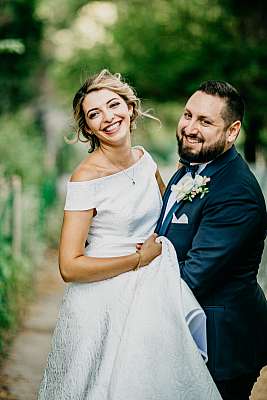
{"x":189,"y":168}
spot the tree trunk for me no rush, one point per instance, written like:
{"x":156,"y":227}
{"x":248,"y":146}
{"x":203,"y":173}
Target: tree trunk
{"x":252,"y":134}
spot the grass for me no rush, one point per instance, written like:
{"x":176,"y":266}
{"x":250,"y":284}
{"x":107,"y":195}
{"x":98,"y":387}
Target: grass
{"x":15,"y":292}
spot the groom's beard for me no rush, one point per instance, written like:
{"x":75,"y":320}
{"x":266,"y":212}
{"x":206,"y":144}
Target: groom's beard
{"x":205,"y":154}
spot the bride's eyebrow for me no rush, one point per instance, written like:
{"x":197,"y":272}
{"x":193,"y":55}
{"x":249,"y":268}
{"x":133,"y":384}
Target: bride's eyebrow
{"x":97,"y":108}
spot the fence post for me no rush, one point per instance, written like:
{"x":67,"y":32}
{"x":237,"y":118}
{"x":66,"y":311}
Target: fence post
{"x":17,"y":216}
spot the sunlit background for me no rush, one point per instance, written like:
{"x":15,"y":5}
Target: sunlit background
{"x":164,"y":48}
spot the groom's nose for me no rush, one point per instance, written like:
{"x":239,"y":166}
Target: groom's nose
{"x":191,"y":128}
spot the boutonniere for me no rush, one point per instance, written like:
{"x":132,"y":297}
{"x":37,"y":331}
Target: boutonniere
{"x":188,"y":188}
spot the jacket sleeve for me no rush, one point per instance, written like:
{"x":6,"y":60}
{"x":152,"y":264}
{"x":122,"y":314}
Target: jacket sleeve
{"x":231,"y":223}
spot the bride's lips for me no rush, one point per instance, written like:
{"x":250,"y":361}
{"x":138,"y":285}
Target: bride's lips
{"x":112,"y":128}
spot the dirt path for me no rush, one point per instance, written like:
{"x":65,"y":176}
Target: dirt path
{"x":22,"y":371}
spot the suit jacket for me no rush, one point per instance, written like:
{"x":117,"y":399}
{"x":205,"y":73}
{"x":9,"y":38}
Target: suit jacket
{"x":219,"y":252}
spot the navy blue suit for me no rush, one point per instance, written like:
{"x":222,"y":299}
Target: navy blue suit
{"x":219,"y":253}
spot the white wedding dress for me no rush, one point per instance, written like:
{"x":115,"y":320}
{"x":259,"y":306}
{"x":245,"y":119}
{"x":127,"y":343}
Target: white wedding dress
{"x":140,"y":335}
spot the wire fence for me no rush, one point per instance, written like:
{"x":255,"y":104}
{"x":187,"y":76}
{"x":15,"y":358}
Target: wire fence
{"x":11,"y":214}
{"x":19,"y":251}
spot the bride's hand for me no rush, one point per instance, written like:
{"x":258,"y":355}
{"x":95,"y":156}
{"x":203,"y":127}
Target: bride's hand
{"x":149,"y":250}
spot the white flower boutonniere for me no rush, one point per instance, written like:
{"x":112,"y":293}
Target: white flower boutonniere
{"x":189,"y":188}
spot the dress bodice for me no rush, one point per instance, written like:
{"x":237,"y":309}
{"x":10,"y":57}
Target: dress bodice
{"x":127,"y":213}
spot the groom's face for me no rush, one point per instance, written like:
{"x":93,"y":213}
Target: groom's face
{"x":201,"y":131}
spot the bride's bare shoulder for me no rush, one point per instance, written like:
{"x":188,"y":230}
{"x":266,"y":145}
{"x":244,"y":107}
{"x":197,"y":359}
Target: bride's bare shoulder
{"x":87,"y":170}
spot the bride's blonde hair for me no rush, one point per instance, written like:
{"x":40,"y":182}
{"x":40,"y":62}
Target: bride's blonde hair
{"x":113,"y":82}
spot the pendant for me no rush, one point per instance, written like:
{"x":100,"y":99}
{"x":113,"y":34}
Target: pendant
{"x":133,"y":182}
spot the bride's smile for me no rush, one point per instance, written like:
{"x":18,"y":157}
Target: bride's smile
{"x":107,"y":115}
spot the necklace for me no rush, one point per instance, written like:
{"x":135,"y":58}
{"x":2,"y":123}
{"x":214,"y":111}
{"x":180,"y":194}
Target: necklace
{"x":128,"y":176}
{"x":122,"y":170}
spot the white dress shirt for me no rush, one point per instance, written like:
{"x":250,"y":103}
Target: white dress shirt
{"x":172,"y":198}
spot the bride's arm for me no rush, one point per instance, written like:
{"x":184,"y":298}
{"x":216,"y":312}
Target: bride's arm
{"x":161,"y":184}
{"x":75,"y":266}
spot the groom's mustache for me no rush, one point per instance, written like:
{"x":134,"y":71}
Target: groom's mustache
{"x":194,"y":136}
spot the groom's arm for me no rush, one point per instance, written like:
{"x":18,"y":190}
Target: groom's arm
{"x":231,"y":222}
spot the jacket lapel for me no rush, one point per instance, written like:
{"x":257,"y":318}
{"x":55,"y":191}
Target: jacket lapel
{"x":168,"y":218}
{"x":210,"y":170}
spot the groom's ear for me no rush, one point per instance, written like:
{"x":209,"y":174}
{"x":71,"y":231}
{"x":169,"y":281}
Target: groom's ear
{"x":233,"y":131}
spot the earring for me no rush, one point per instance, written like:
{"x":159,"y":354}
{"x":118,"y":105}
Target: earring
{"x":133,"y":126}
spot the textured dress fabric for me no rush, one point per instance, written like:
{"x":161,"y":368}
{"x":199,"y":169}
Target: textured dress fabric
{"x":140,"y":335}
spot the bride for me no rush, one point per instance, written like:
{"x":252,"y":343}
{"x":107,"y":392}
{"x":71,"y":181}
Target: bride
{"x":129,"y":327}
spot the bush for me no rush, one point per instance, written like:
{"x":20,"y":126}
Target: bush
{"x":15,"y":291}
{"x":21,"y":147}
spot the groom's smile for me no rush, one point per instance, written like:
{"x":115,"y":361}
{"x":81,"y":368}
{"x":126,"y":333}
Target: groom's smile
{"x":192,"y":139}
{"x":202,"y":133}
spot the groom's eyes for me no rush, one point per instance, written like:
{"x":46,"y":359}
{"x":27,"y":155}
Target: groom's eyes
{"x":187,"y":115}
{"x":206,"y":122}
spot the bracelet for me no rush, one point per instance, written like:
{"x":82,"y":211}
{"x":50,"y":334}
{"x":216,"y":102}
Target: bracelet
{"x":139,"y":261}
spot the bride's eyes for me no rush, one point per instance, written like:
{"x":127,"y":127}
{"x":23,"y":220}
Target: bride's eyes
{"x":114,"y":104}
{"x":93,"y":115}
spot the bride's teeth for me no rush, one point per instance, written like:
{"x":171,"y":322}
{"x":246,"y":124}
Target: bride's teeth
{"x":111,"y":127}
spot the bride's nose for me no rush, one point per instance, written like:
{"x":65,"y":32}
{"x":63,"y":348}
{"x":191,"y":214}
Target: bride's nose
{"x":108,"y":115}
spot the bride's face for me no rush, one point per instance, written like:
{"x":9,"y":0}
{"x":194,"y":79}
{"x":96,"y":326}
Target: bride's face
{"x":107,"y":116}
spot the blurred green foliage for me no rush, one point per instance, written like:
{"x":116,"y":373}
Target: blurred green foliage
{"x":21,"y":147}
{"x":159,"y":136}
{"x":15,"y":291}
{"x":17,"y":270}
{"x":12,"y":46}
{"x":165,"y":48}
{"x":22,"y":153}
{"x":19,"y":69}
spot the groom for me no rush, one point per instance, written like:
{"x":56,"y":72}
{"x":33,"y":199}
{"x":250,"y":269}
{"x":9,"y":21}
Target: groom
{"x":218,"y":230}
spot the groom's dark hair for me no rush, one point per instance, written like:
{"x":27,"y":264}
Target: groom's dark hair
{"x":234,"y":104}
